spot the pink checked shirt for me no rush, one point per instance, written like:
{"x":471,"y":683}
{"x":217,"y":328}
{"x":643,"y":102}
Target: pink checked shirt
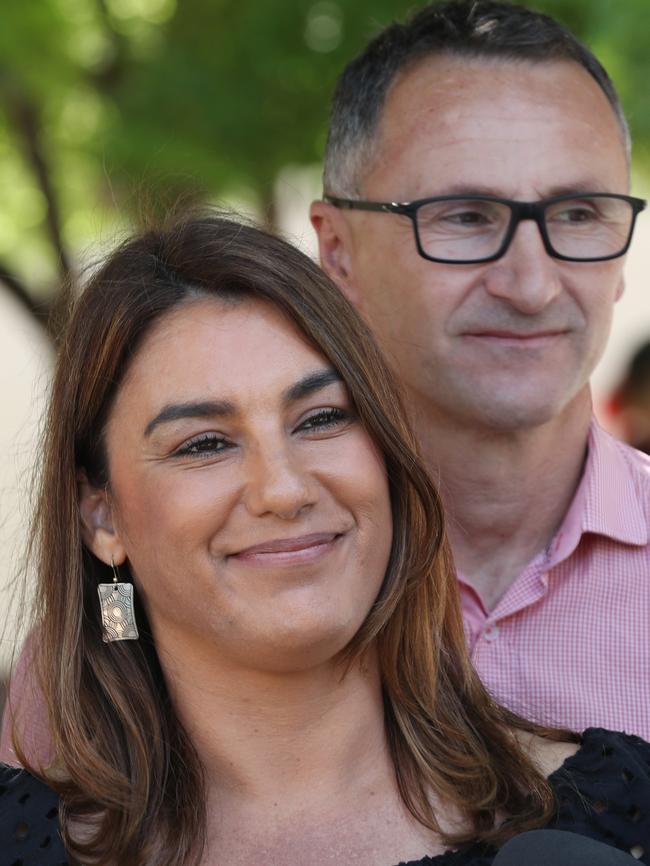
{"x":569,"y":643}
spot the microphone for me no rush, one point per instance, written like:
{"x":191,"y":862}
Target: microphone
{"x":559,"y":848}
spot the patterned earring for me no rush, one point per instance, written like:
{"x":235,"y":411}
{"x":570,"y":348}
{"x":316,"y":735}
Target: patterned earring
{"x":116,"y":605}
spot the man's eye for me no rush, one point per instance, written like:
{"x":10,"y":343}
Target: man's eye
{"x":325,"y":419}
{"x":468,"y":218}
{"x":576,"y":215}
{"x":205,"y":445}
{"x":464,"y":214}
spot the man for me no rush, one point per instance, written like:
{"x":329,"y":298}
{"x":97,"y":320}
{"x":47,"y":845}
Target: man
{"x":494,"y":301}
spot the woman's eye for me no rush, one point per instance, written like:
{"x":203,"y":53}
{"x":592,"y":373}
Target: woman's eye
{"x":205,"y":445}
{"x":325,"y":419}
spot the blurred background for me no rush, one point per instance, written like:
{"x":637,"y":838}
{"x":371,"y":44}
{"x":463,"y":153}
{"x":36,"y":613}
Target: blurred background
{"x":115,"y":109}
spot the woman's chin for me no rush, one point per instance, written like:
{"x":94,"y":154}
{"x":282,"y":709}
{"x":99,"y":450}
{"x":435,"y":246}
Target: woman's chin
{"x":294,"y":649}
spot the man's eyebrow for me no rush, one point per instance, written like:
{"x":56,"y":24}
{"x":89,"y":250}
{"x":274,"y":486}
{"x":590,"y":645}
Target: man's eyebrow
{"x":576,"y":189}
{"x":310,"y":383}
{"x":465,"y":189}
{"x":200,"y":409}
{"x":579,"y":188}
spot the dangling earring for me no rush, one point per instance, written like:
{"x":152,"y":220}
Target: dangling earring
{"x":116,"y":605}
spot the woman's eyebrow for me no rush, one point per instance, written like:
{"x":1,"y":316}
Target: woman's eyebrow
{"x":220,"y":408}
{"x":310,"y":383}
{"x":201,"y":409}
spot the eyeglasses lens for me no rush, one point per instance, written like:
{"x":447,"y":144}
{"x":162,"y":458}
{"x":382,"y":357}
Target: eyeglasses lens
{"x":589,"y":227}
{"x":462,"y":230}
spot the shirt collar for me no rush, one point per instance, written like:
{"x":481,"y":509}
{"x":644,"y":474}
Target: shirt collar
{"x":608,"y":500}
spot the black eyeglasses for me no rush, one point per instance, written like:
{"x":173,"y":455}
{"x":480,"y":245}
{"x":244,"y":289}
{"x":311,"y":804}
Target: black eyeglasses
{"x":470,"y":230}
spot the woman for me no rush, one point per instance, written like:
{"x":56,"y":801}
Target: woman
{"x":274,"y":669}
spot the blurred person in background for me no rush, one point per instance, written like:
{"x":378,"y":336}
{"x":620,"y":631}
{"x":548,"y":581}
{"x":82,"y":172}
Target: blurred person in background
{"x":630,"y":404}
{"x":247,"y":631}
{"x":476,"y":210}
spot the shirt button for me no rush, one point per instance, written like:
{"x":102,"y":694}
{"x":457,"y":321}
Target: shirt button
{"x":491,"y":633}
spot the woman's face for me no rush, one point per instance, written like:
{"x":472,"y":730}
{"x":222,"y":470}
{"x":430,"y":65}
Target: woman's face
{"x":252,"y":507}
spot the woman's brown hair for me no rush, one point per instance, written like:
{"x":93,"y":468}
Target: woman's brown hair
{"x":123,"y":763}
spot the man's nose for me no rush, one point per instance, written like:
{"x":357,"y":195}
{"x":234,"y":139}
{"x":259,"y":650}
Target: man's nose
{"x":527,"y":277}
{"x":278,"y":483}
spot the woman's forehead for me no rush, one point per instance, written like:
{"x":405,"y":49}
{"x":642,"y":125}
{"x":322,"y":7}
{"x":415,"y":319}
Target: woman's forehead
{"x":209,"y":347}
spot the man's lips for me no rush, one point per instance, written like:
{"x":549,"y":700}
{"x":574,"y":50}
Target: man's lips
{"x":521,"y":336}
{"x":298,"y":548}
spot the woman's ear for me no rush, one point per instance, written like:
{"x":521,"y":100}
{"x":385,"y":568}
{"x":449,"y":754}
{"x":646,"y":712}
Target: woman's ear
{"x":98,"y":529}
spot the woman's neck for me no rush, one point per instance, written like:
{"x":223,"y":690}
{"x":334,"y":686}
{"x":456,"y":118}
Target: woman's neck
{"x":284,"y":729}
{"x":296,"y":765}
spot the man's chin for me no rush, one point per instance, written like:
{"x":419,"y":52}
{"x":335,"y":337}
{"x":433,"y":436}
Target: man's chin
{"x":517,"y":412}
{"x":521,"y":418}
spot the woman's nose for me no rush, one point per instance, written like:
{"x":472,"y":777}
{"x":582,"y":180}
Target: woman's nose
{"x":278,"y":484}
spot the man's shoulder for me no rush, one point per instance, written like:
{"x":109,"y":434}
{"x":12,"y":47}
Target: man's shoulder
{"x":622,"y":458}
{"x":638,"y":464}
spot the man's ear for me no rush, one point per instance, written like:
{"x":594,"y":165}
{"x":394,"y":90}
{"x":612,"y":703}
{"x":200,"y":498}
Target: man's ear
{"x":98,"y":530}
{"x":335,"y":247}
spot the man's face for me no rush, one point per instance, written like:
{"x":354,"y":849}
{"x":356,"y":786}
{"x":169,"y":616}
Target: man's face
{"x":508,"y":344}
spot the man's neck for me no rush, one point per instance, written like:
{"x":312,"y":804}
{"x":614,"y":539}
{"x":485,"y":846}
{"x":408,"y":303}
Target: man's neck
{"x":505,"y":493}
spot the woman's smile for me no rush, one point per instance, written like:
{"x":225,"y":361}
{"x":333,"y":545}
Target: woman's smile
{"x":298,"y":550}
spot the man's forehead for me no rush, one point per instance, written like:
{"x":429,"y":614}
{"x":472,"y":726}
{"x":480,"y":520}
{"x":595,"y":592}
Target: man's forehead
{"x":447,"y":112}
{"x":447,"y":89}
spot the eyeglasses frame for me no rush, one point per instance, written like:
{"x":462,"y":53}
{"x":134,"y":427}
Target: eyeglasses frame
{"x":519,"y":210}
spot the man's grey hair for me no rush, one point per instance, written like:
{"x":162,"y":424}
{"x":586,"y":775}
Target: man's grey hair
{"x":473,"y":29}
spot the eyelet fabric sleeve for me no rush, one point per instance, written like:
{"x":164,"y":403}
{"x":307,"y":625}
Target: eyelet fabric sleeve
{"x":29,"y":821}
{"x":603,"y":791}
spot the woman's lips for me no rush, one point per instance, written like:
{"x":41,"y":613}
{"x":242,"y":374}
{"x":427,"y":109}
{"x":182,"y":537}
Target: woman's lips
{"x":300,"y":549}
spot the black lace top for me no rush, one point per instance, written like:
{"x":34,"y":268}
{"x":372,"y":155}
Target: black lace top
{"x":603,"y":791}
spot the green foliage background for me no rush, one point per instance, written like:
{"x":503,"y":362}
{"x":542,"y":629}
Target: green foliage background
{"x":106,"y":102}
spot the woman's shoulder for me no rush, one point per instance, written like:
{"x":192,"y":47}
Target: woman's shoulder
{"x":603,"y":790}
{"x":621,"y":761}
{"x":29,"y":820}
